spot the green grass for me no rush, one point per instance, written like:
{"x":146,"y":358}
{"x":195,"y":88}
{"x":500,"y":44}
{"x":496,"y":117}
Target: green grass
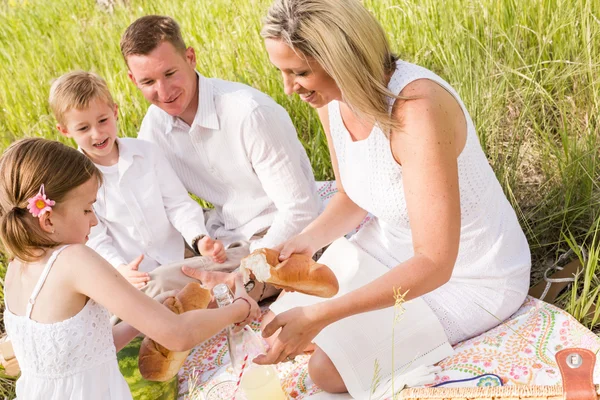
{"x":529,"y":76}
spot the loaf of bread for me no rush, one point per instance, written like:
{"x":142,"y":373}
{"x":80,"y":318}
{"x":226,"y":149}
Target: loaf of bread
{"x":156,"y":362}
{"x":299,"y":273}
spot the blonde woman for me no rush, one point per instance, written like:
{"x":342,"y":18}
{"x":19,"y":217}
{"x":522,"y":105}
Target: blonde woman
{"x":404,"y":148}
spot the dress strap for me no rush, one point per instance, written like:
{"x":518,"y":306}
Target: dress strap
{"x":42,"y":279}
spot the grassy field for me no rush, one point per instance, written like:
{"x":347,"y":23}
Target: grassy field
{"x":530,"y":76}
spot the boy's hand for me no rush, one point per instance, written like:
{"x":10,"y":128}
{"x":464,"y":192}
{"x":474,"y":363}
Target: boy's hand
{"x":161,"y":297}
{"x":212,"y":248}
{"x":131,"y":273}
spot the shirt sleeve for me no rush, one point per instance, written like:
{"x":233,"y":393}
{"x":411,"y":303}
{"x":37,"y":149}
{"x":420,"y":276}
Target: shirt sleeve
{"x":284,"y":171}
{"x":102,"y":244}
{"x":186,"y":215}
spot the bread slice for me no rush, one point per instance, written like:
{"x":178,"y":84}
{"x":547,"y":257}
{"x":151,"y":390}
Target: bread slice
{"x":156,"y":362}
{"x":299,"y":273}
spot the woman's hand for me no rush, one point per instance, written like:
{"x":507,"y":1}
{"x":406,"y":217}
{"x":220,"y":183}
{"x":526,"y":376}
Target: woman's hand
{"x":240,"y":291}
{"x":301,"y":244}
{"x":299,"y":326}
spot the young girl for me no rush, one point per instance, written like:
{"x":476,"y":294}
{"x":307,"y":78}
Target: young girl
{"x":59,"y":292}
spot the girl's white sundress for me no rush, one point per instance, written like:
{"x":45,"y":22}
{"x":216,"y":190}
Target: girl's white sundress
{"x":71,"y":359}
{"x":491,"y":275}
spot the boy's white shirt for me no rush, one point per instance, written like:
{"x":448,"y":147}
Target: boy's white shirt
{"x":242,"y":155}
{"x":148,"y":214}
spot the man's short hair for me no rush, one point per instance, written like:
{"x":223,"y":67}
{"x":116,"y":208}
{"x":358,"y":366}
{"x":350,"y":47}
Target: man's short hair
{"x":76,"y":90}
{"x":146,"y":33}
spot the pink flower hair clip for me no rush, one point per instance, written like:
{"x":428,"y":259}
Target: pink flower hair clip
{"x":40,"y":204}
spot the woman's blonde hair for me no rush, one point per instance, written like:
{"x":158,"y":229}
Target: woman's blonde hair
{"x":350,"y":45}
{"x":24,"y":167}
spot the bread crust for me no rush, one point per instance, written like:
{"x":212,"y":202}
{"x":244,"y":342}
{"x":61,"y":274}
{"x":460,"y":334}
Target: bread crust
{"x":156,"y":362}
{"x":299,"y":273}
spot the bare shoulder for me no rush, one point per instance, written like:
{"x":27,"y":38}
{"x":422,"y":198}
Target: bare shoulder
{"x":428,"y":100}
{"x":430,"y":117}
{"x":431,"y":110}
{"x":78,"y":258}
{"x":74,"y":250}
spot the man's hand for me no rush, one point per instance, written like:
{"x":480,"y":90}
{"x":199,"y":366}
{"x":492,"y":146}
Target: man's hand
{"x":161,"y":297}
{"x":131,"y":273}
{"x":210,"y":279}
{"x":212,"y":248}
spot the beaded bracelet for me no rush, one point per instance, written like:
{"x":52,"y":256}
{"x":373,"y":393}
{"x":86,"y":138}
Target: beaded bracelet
{"x":249,"y":308}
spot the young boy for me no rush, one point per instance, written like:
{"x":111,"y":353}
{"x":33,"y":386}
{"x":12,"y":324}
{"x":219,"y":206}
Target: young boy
{"x":144,"y":212}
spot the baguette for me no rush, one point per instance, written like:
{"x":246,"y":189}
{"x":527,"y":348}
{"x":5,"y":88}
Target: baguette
{"x":299,"y":273}
{"x":156,"y":362}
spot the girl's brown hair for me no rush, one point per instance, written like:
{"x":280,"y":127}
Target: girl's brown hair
{"x":24,"y":167}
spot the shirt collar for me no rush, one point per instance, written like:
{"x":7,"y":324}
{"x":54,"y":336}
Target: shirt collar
{"x":126,"y":154}
{"x":206,"y":115}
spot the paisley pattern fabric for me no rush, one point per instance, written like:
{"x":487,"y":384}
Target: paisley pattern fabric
{"x":518,"y":352}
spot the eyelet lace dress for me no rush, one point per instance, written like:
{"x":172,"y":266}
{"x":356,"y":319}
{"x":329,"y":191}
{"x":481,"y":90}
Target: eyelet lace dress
{"x":491,"y":275}
{"x":71,"y":359}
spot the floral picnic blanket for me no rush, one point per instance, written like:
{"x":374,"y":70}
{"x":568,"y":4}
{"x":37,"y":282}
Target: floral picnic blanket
{"x":520,"y":351}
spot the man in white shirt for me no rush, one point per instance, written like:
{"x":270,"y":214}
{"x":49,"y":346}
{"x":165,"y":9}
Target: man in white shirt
{"x":229,"y":143}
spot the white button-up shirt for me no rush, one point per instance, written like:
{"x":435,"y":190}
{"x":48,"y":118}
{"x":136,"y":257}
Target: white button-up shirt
{"x":143,"y":208}
{"x":242,"y":155}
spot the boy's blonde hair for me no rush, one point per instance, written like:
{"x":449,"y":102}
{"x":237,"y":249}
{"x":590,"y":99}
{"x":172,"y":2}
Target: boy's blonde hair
{"x":75,"y":90}
{"x":24,"y":167}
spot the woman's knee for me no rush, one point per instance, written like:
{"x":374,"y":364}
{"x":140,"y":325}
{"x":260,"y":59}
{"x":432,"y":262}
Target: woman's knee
{"x":324,"y":374}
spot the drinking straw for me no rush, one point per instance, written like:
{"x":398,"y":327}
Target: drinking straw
{"x":237,"y":386}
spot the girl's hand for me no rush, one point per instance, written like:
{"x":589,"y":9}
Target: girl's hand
{"x":240,"y":291}
{"x":301,"y":244}
{"x":299,"y":326}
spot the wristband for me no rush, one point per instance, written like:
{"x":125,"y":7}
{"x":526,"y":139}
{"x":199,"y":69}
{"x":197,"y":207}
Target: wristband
{"x":249,"y":308}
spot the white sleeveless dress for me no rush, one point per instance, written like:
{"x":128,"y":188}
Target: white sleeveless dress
{"x":72,"y":359}
{"x":491,"y":274}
